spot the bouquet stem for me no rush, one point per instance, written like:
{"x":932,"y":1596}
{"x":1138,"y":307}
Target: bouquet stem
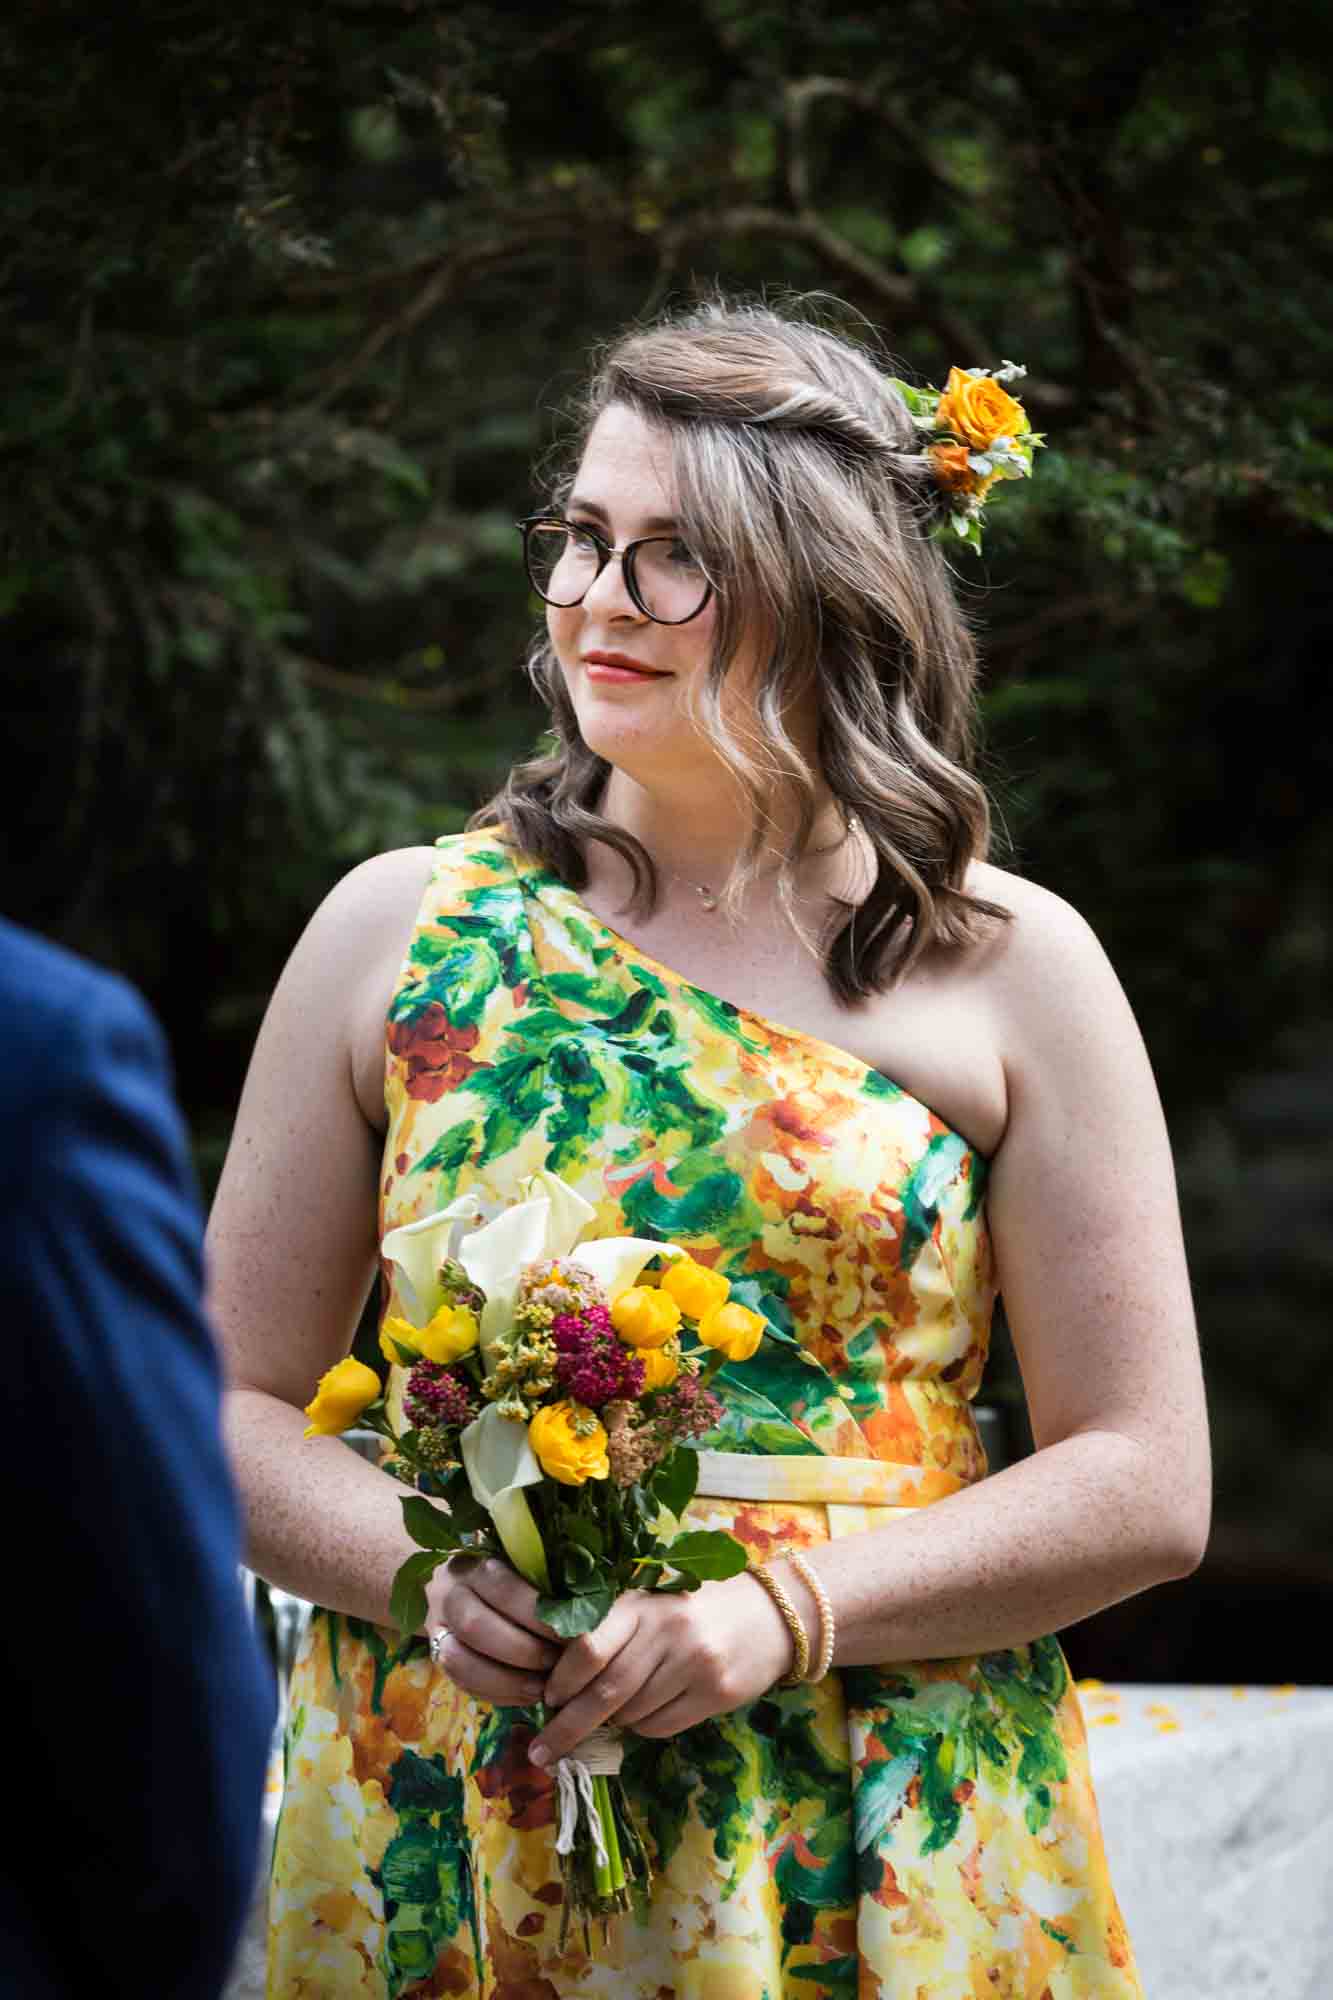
{"x":596,"y":1889}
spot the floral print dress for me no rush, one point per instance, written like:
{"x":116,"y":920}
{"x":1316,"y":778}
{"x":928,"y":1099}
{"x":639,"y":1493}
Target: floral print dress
{"x":916,"y":1831}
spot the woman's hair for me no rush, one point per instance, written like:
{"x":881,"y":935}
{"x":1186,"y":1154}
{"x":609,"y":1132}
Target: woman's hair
{"x":802,"y":489}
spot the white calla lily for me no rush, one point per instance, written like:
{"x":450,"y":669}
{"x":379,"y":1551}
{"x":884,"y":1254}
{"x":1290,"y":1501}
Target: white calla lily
{"x":616,"y":1261}
{"x":499,"y":1463}
{"x":570,"y":1213}
{"x":418,"y":1249}
{"x":493,"y":1257}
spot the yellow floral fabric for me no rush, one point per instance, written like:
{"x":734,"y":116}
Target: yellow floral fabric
{"x":916,"y":1831}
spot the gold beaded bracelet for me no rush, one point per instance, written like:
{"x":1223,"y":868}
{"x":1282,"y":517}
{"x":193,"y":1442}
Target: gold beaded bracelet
{"x":826,"y":1626}
{"x":791,"y":1618}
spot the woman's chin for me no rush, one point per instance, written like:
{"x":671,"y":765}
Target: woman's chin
{"x":624,"y":738}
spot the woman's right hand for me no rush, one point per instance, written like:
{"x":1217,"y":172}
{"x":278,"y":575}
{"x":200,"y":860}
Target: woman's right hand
{"x":497,"y":1647}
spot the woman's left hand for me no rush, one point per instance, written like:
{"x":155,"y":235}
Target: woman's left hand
{"x":659,"y":1663}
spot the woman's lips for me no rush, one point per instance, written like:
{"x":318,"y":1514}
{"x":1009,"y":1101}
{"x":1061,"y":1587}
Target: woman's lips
{"x":619,"y":667}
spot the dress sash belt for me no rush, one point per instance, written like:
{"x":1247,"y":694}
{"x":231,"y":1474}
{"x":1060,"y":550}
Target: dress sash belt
{"x":821,"y":1479}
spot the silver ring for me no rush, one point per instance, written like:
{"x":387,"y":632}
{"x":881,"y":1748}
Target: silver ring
{"x":437,"y":1639}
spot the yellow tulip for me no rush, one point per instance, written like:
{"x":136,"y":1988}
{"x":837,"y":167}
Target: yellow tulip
{"x":343,"y":1392}
{"x":661,"y":1365}
{"x":448,"y":1335}
{"x":734,"y":1330}
{"x":645,"y":1316}
{"x":695,"y":1288}
{"x":569,"y":1443}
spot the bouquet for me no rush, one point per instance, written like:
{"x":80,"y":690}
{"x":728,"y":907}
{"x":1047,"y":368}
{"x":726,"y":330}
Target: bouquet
{"x":549,"y":1393}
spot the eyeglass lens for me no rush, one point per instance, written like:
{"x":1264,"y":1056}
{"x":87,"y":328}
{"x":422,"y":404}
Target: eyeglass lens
{"x":563,"y":565}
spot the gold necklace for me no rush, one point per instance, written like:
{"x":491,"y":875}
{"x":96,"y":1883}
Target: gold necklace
{"x":708,"y":897}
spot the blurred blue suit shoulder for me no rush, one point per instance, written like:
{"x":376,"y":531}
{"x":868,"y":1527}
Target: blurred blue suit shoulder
{"x":139,"y":1705}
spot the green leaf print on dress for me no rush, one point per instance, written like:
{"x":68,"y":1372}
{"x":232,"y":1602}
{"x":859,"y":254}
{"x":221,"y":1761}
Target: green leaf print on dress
{"x":1000,"y":1720}
{"x":425,"y":1877}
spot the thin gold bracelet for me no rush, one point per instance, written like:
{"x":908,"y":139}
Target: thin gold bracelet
{"x":826,"y":1625}
{"x":800,"y":1666}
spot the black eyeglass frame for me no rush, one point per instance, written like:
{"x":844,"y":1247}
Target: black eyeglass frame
{"x":605,"y":551}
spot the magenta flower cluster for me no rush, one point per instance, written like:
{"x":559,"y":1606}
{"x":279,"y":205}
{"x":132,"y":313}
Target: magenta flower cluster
{"x":437,"y":1398}
{"x":592,"y":1364}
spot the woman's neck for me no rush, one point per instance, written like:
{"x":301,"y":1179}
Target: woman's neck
{"x":694,"y":838}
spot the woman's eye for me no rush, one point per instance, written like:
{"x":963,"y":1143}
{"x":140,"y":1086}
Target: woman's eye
{"x":682,"y":553}
{"x":582,"y":540}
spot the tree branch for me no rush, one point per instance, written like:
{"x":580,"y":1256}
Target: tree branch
{"x":389,"y":694}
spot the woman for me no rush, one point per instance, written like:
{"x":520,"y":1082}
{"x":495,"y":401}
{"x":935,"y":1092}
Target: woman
{"x":731,"y":959}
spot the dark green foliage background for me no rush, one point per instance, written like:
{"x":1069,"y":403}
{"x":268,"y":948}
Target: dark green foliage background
{"x":292,"y":294}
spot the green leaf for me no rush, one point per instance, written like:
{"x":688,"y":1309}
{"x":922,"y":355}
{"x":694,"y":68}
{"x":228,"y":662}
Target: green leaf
{"x":407,"y":1599}
{"x":580,"y":1565}
{"x":426,"y":1524}
{"x":573,"y":1616}
{"x":578,"y":1528}
{"x":676,"y":1478}
{"x":465,"y":1510}
{"x":706,"y":1553}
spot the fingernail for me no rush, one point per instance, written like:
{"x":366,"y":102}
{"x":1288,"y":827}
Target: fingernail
{"x":539,"y":1754}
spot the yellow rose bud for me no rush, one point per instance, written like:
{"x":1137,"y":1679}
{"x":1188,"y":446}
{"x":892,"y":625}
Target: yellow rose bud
{"x":343,"y":1392}
{"x":451,"y":1332}
{"x":694,"y":1287}
{"x":645,"y":1316}
{"x":396,"y":1333}
{"x":562,"y":1452}
{"x":734,"y":1330}
{"x":661,"y":1365}
{"x":977,"y":409}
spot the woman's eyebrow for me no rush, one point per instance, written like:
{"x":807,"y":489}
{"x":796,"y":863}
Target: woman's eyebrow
{"x":653,"y":526}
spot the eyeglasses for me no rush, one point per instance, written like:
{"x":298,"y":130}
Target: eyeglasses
{"x":564,"y":559}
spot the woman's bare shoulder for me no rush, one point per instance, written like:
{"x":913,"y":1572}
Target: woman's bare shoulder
{"x":351,"y":954}
{"x":1042,"y":928}
{"x":1053,"y":992}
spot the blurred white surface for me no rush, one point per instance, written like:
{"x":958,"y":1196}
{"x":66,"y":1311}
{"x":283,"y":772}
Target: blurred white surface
{"x":1217,"y":1808}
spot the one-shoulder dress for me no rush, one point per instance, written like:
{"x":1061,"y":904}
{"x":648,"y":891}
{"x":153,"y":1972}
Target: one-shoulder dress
{"x":912,"y":1831}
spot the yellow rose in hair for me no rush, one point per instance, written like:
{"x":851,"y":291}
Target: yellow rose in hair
{"x":977,"y":409}
{"x":734,"y":1330}
{"x":694,"y":1287}
{"x":661,"y":1365}
{"x":570,"y":1443}
{"x":343,"y":1392}
{"x":645,"y":1316}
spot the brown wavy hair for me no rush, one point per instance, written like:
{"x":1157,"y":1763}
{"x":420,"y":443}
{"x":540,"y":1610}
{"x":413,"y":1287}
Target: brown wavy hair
{"x":802,"y":489}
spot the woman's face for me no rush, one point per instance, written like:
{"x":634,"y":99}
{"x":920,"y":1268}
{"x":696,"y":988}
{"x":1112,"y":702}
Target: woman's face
{"x":625,"y":489}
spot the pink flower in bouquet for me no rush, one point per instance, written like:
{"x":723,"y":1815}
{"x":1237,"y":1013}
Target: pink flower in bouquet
{"x":592,"y":1365}
{"x":436,"y":1398}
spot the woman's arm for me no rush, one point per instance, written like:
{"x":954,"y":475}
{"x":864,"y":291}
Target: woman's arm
{"x":292,"y":1244}
{"x":1083,"y":1213}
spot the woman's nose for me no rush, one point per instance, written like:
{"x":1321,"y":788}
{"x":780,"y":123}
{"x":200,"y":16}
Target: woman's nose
{"x":609,"y":592}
